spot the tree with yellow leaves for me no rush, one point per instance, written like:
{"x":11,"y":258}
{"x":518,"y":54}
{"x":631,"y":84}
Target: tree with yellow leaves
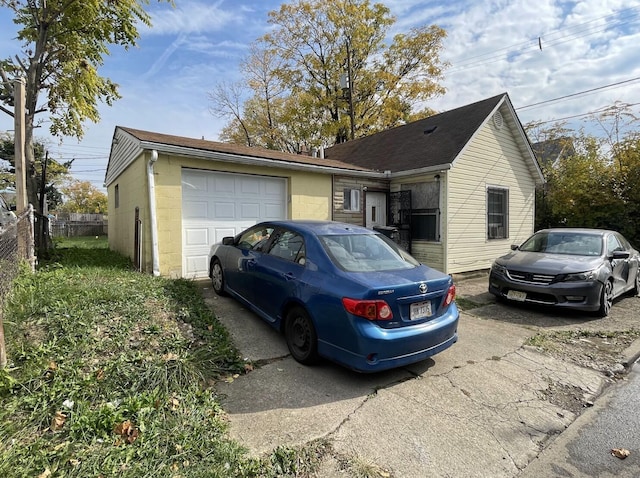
{"x":324,"y":75}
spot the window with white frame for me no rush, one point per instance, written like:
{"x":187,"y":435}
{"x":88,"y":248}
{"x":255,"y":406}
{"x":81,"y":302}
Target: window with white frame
{"x":351,"y":200}
{"x":497,"y":213}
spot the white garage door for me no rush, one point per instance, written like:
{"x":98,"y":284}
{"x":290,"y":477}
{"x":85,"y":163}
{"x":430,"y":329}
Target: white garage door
{"x":215,"y":205}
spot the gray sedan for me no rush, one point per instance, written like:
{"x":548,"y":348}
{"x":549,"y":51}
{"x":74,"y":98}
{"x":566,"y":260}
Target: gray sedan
{"x":582,"y":269}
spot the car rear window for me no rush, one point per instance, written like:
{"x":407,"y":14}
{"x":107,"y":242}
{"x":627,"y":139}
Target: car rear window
{"x":366,"y":252}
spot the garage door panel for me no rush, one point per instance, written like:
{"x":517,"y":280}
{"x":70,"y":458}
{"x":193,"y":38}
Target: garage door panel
{"x":250,"y":186}
{"x":224,"y":210}
{"x":223,"y":184}
{"x":196,"y":237}
{"x":271,"y":211}
{"x":194,"y":183}
{"x":195,"y":210}
{"x":217,"y":205}
{"x":249,"y":211}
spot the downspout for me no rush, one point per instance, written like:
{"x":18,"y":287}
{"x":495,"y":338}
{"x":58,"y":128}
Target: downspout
{"x":152,"y":214}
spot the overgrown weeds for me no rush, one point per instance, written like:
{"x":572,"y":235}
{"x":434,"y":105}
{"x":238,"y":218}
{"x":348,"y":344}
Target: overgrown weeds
{"x":109,"y":375}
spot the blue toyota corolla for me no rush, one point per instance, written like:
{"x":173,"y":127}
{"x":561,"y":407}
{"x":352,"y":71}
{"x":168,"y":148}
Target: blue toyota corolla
{"x":338,"y":291}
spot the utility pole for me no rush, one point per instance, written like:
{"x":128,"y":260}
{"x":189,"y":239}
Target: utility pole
{"x":349,"y":75}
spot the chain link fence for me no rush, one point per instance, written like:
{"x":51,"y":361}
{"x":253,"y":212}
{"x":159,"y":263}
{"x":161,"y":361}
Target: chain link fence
{"x":16,"y":245}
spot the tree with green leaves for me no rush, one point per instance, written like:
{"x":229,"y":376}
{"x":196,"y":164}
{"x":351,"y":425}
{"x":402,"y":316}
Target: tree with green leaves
{"x":595,"y":183}
{"x":324,"y":74}
{"x":64,"y":43}
{"x":47,"y":172}
{"x":83,"y":197}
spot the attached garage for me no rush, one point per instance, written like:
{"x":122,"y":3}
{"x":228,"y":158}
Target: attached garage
{"x":217,"y":204}
{"x":172,"y":197}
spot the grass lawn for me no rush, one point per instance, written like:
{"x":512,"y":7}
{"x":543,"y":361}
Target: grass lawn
{"x":110,"y":374}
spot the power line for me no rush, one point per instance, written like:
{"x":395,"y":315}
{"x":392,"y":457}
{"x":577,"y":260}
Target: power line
{"x":534,"y":44}
{"x":560,"y":98}
{"x":581,"y":115}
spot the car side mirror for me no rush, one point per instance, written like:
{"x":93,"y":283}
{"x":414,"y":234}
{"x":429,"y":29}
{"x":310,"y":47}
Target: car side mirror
{"x":228,"y":241}
{"x":515,"y":247}
{"x":620,"y":255}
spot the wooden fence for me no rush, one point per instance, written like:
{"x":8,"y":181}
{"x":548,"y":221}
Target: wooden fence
{"x":77,"y":224}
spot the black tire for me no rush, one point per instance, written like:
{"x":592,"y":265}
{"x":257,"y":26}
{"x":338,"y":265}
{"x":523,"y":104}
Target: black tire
{"x":217,"y":277}
{"x":301,"y":336}
{"x":606,"y":299}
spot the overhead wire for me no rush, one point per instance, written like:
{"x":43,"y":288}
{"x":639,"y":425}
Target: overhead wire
{"x":534,"y":43}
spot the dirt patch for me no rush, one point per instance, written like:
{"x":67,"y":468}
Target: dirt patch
{"x":567,"y":397}
{"x":602,"y":351}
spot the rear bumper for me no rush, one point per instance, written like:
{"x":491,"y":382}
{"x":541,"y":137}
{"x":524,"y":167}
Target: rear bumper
{"x":380,"y":349}
{"x":572,"y":295}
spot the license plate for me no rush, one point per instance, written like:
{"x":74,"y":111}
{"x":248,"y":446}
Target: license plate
{"x":517,"y":295}
{"x":420,"y":310}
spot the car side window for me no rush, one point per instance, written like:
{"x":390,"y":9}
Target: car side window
{"x":255,"y":238}
{"x":290,"y":246}
{"x":613,"y":245}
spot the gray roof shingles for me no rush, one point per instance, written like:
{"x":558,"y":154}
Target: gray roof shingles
{"x":408,"y":147}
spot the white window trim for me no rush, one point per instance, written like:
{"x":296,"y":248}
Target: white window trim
{"x":486,"y":214}
{"x":354,"y":200}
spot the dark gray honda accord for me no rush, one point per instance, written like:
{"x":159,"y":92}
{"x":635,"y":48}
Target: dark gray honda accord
{"x":583,"y":269}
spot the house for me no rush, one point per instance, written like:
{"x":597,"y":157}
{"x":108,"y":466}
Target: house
{"x":462,"y":183}
{"x":551,"y":151}
{"x":458,"y":186}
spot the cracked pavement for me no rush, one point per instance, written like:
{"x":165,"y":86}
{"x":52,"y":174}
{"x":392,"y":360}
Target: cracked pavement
{"x":484,"y":407}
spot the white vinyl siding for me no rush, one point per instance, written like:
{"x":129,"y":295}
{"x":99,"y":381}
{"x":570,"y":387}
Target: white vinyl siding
{"x":492,"y":160}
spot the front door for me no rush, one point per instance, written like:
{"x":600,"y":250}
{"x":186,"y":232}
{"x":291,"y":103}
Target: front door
{"x":376,"y":209}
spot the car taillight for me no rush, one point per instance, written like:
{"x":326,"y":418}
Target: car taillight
{"x":451,"y":295}
{"x":369,"y":309}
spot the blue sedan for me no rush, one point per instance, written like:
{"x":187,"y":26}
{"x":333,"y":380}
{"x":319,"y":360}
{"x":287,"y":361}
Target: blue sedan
{"x":338,"y":291}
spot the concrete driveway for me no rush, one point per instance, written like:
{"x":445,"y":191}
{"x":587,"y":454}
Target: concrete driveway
{"x":484,"y":407}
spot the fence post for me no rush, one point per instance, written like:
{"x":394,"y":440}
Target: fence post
{"x":31,"y":247}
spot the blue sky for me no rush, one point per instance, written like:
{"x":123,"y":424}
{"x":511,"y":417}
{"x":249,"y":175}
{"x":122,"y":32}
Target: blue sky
{"x":493,"y":46}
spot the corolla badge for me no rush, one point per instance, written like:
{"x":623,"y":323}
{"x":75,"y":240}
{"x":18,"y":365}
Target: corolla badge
{"x":422,"y":287}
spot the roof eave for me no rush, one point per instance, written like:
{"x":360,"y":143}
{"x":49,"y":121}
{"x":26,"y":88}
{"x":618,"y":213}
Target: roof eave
{"x":253,"y":160}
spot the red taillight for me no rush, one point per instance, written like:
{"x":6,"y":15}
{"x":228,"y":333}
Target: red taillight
{"x":451,"y":295}
{"x":369,"y":309}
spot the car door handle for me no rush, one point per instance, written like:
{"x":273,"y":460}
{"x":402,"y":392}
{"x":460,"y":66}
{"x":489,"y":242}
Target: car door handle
{"x":288,"y":275}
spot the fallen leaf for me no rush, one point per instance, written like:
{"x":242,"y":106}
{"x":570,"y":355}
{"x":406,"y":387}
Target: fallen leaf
{"x":170,"y":357}
{"x":45,"y":474}
{"x":53,"y":366}
{"x":175,"y":403}
{"x":99,"y":375}
{"x":127,"y":430}
{"x":74,"y":462}
{"x":621,"y":453}
{"x":248,"y":368}
{"x":58,"y":421}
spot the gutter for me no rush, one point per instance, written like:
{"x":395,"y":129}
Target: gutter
{"x":155,"y":257}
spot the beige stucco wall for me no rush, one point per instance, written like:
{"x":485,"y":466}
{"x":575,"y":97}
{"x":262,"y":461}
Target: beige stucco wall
{"x":309,"y":197}
{"x":132,"y":186}
{"x":493,"y":159}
